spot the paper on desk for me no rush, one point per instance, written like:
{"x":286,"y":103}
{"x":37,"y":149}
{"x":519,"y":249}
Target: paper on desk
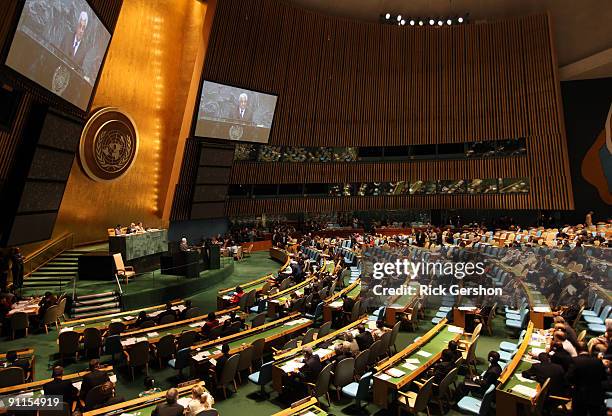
{"x":116,"y":320}
{"x":525,"y":391}
{"x":424,"y":354}
{"x":524,"y":379}
{"x":383,"y":376}
{"x":336,"y":304}
{"x":541,"y":309}
{"x":128,"y":341}
{"x":184,"y":401}
{"x":395,"y":372}
{"x":68,"y":328}
{"x":322,"y":352}
{"x":410,"y":366}
{"x":213,"y":361}
{"x":152,"y":334}
{"x":309,"y":413}
{"x":537,"y":351}
{"x":413,"y":360}
{"x":455,"y":329}
{"x":467,"y":308}
{"x":113,"y":378}
{"x":372,"y":324}
{"x":128,"y":318}
{"x":140,"y":339}
{"x":196,"y":325}
{"x":77,"y":385}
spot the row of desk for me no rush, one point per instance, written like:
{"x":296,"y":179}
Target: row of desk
{"x":516,"y":395}
{"x":408,"y":364}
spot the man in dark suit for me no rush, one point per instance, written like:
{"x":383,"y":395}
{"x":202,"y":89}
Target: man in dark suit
{"x":587,"y":375}
{"x":546,"y":369}
{"x":166,"y":312}
{"x":221,"y":361}
{"x":73,"y":44}
{"x":93,"y":379}
{"x":312,"y":366}
{"x":59,"y":387}
{"x":364,"y":338}
{"x":443,"y":367}
{"x":170,"y":407}
{"x":560,"y":356}
{"x":243,"y":112}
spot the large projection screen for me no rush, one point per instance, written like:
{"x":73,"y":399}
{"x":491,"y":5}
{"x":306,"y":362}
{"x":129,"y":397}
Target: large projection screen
{"x":60,"y":45}
{"x":233,"y":113}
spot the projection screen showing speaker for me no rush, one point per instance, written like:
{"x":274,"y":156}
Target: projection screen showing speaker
{"x":60,"y":45}
{"x":232,"y":113}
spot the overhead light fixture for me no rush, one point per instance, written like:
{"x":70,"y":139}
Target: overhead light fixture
{"x":403,"y":22}
{"x":388,"y":16}
{"x":449,"y":22}
{"x":460,"y":20}
{"x":411,"y":22}
{"x":440,"y":22}
{"x":399,"y":18}
{"x":431,"y":22}
{"x":420,"y":23}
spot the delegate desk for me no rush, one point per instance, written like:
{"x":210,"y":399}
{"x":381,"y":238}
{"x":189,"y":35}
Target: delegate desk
{"x":134,"y":246}
{"x":126,"y":317}
{"x":271,"y":332}
{"x":289,"y":362}
{"x":402,"y":304}
{"x":29,"y":307}
{"x":35,"y":388}
{"x":464,"y":313}
{"x":154,"y":333}
{"x":305,"y":407}
{"x":145,"y":405}
{"x":516,"y":395}
{"x":408,"y":364}
{"x":334,"y":303}
{"x":540,"y":312}
{"x":223,"y":295}
{"x":277,"y":300}
{"x":280,"y":256}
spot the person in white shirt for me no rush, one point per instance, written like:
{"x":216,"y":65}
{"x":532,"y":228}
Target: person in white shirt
{"x":200,"y":400}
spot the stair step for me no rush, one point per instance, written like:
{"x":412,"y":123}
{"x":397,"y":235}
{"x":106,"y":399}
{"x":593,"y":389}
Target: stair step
{"x":51,"y":276}
{"x":90,"y":314}
{"x":78,"y":309}
{"x":97,"y":301}
{"x":68,"y":266}
{"x":95,"y":295}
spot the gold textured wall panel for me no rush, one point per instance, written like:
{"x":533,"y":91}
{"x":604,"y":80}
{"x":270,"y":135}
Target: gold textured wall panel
{"x":148,"y":73}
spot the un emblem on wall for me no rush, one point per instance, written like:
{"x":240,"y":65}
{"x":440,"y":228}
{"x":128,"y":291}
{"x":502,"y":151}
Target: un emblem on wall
{"x":235,"y":132}
{"x":61,"y":79}
{"x":109,"y":144}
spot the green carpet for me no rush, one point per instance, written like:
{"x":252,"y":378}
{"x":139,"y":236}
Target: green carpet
{"x":256,"y":266}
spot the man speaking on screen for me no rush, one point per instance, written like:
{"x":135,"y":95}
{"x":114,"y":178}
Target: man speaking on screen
{"x":243,"y":112}
{"x":72,"y":43}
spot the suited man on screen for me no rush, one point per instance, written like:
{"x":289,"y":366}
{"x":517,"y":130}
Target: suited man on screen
{"x":73,"y":44}
{"x":243,"y":112}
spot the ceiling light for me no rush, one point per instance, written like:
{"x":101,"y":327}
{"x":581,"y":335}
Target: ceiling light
{"x":431,"y":22}
{"x":440,"y":22}
{"x":420,"y":23}
{"x":449,"y":22}
{"x":460,"y":20}
{"x":411,"y":22}
{"x":387,"y":16}
{"x":399,"y":17}
{"x":403,"y":22}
